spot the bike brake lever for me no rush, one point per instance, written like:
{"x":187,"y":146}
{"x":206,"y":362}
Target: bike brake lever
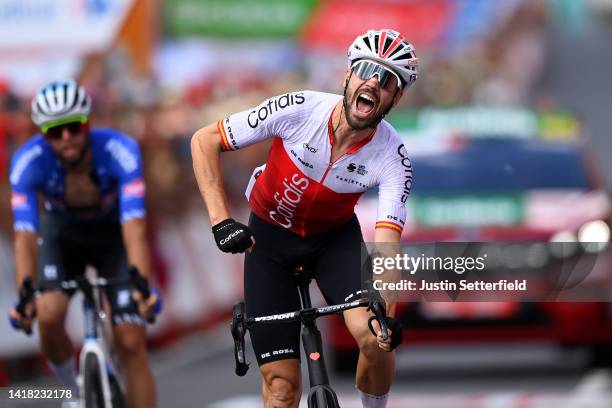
{"x":380,"y":315}
{"x":238,"y":329}
{"x":377,"y":306}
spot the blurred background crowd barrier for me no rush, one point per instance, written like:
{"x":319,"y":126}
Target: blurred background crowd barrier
{"x":159,"y":70}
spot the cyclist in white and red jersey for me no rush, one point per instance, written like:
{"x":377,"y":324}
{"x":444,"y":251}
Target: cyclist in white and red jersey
{"x":327,"y":151}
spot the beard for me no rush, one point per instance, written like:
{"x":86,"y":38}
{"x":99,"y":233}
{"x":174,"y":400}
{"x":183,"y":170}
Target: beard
{"x":76,"y":161}
{"x":363,"y":124}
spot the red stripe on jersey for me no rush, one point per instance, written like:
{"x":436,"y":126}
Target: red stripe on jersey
{"x":353,"y":149}
{"x":226,"y":145}
{"x":286,"y":197}
{"x":389,"y":225}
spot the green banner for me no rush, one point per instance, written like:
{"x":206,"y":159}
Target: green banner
{"x":237,"y":18}
{"x":467,"y":210}
{"x":489,"y":122}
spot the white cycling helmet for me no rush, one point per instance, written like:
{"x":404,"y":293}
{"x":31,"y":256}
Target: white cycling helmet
{"x":389,"y":48}
{"x":60,"y":102}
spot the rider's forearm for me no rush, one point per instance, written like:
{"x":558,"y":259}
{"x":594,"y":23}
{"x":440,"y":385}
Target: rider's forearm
{"x":205,"y":152}
{"x":26,"y":250}
{"x":387,"y":245}
{"x":137,"y":246}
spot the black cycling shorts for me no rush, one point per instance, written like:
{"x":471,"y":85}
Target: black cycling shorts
{"x":269,"y":288}
{"x":68,"y":246}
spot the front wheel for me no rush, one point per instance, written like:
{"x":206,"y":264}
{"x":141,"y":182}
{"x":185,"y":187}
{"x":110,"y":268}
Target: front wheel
{"x":116,"y":392}
{"x":92,"y":387}
{"x":322,"y":396}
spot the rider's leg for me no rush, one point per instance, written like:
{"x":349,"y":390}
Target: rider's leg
{"x":338,"y":274}
{"x":55,"y":344}
{"x":269,"y":288}
{"x":56,"y":262}
{"x":281,"y":386}
{"x":109,"y":257}
{"x":132,"y":351}
{"x":375,"y":367}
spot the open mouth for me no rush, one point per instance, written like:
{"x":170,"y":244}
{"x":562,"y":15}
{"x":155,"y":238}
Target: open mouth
{"x":365,"y":103}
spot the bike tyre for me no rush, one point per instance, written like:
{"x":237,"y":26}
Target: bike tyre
{"x":94,"y":395}
{"x":116,"y":393}
{"x":322,"y":398}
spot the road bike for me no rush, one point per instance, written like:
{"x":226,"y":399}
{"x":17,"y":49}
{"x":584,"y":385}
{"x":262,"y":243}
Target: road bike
{"x":99,"y":380}
{"x":321,"y":395}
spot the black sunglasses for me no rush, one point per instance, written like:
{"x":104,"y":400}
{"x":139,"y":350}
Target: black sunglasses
{"x":74,"y":128}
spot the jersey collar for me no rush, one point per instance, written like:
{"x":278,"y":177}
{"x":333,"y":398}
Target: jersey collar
{"x":353,"y":149}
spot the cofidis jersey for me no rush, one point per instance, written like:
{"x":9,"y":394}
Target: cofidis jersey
{"x":300,"y":188}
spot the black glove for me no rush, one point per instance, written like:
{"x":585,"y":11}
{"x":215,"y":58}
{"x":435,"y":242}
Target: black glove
{"x":396,"y":332}
{"x":394,"y":326}
{"x":24,"y":308}
{"x":232,"y":236}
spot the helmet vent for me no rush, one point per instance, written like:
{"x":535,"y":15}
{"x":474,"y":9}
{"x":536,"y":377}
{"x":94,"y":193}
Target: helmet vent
{"x":366,"y":40}
{"x":395,"y":51}
{"x":388,"y":42}
{"x":404,"y":57}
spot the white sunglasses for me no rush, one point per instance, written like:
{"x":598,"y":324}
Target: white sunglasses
{"x":366,"y":69}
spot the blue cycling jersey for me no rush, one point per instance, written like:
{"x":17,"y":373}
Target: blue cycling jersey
{"x":116,"y":168}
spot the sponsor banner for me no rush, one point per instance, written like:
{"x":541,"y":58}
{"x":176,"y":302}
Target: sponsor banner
{"x":237,"y":18}
{"x":490,"y":272}
{"x":467,"y":210}
{"x":446,"y":26}
{"x":335,"y":23}
{"x":29,"y":29}
{"x":472,"y":121}
{"x":541,"y":213}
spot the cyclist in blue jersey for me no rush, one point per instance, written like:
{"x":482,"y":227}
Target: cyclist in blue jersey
{"x":93,"y":192}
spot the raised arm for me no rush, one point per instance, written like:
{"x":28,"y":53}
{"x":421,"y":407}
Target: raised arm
{"x":206,"y":147}
{"x":237,"y":131}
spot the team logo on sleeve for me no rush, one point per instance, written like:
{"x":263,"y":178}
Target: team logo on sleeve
{"x":23,"y":162}
{"x":120,"y":152}
{"x":134,"y":189}
{"x":273,"y":105}
{"x":401,"y":151}
{"x":19,"y":201}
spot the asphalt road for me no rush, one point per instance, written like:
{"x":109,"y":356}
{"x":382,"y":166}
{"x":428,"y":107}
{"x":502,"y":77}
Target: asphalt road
{"x":476,"y":376}
{"x":198,"y":372}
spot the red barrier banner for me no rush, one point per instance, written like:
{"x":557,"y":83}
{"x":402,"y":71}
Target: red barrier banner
{"x":335,"y":23}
